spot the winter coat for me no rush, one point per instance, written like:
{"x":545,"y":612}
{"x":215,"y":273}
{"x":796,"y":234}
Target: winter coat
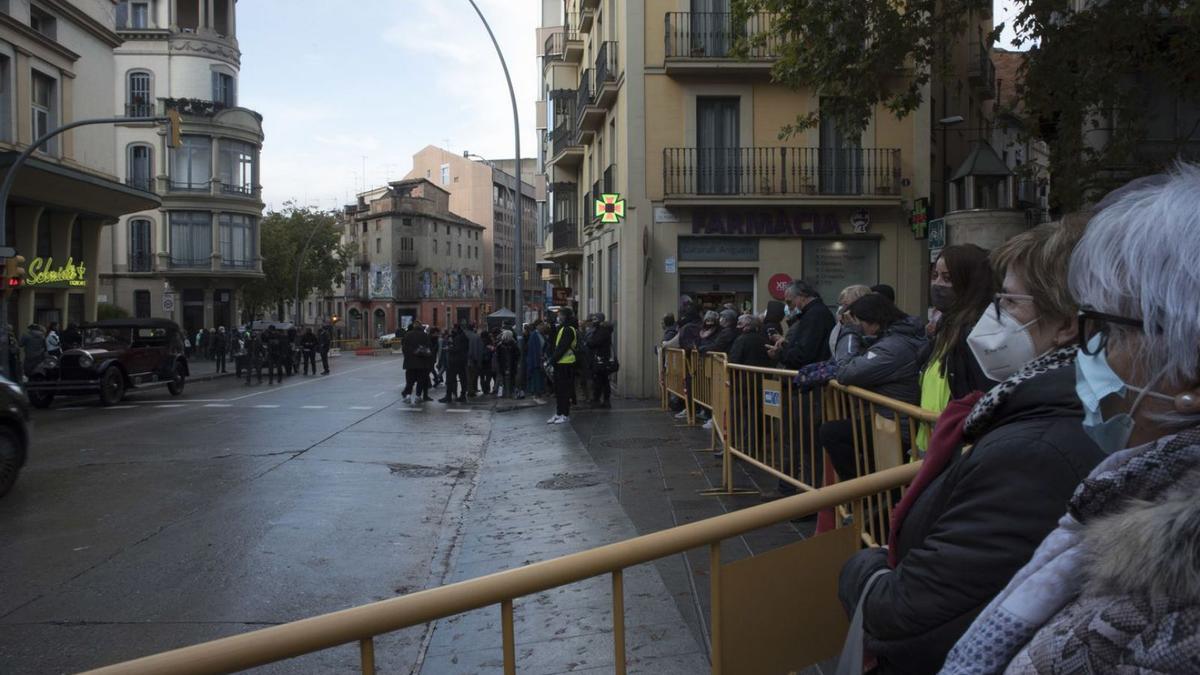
{"x":962,"y":370}
{"x":599,"y":342}
{"x":889,"y":366}
{"x":474,"y":348}
{"x":807,"y":338}
{"x":413,"y":341}
{"x":458,"y":352}
{"x":750,"y":349}
{"x":534,"y":344}
{"x":669,"y":333}
{"x":974,"y":526}
{"x":508,"y":358}
{"x":323,"y":341}
{"x":721,"y":342}
{"x":219,"y":343}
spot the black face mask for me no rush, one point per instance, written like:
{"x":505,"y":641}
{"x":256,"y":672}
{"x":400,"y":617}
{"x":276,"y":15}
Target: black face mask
{"x":941,"y":297}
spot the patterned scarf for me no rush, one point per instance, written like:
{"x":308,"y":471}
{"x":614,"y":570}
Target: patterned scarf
{"x":1052,"y":579}
{"x":984,"y":412}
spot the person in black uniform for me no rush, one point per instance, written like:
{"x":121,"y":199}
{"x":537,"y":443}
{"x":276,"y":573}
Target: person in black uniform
{"x":599,"y":343}
{"x":291,"y":361}
{"x":308,"y":350}
{"x":255,"y":355}
{"x":278,"y":354}
{"x":324,"y":340}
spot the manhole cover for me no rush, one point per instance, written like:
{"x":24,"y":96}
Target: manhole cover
{"x":638,"y":443}
{"x":417,"y":471}
{"x":569,"y":481}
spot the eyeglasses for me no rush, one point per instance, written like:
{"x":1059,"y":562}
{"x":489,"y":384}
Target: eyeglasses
{"x":1008,"y":301}
{"x":1093,"y":323}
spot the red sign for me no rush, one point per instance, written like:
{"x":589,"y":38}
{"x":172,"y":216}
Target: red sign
{"x":778,"y":285}
{"x":562,"y":296}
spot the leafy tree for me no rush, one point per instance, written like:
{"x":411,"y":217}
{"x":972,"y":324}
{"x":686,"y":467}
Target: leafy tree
{"x":1090,"y":71}
{"x":283,"y":237}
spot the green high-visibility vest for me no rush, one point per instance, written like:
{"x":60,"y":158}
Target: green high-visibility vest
{"x":569,"y":357}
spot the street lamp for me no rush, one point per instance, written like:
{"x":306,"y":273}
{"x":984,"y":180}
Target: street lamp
{"x":299,"y":266}
{"x":520,"y":299}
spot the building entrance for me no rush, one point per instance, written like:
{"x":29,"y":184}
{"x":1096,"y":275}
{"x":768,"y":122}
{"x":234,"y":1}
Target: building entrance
{"x":713,"y":289}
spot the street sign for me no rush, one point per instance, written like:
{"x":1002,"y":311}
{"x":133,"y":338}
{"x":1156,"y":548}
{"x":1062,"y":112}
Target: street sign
{"x":7,"y":251}
{"x":168,"y":302}
{"x":670,"y":265}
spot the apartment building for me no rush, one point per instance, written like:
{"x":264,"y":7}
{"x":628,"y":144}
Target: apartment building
{"x":645,"y":100}
{"x":483,"y":191}
{"x":56,"y":67}
{"x":188,"y":259}
{"x":412,"y":257}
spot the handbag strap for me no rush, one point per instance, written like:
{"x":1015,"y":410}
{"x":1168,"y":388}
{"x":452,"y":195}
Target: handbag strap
{"x":851,"y":660}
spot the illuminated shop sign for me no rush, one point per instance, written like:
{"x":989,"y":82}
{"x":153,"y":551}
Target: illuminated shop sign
{"x":43,"y":273}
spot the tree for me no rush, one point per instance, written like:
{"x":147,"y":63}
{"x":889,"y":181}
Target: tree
{"x":1091,"y":71}
{"x":283,"y":236}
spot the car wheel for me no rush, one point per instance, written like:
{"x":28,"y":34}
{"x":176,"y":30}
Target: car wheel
{"x":10,"y":461}
{"x":176,"y":385}
{"x":112,"y":387}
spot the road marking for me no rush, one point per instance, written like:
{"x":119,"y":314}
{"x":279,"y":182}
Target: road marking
{"x":315,"y":407}
{"x":118,"y":407}
{"x":218,"y":405}
{"x":382,"y":393}
{"x":72,"y":408}
{"x":361,"y":407}
{"x":189,"y":400}
{"x":458,"y":410}
{"x":266,"y":406}
{"x":170,"y":405}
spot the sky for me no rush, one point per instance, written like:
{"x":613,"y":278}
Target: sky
{"x":381,"y":82}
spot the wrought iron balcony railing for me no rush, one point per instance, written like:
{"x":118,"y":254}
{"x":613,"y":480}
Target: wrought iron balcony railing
{"x":607,"y":67}
{"x":712,"y":35}
{"x":760,"y":172}
{"x":565,"y":234}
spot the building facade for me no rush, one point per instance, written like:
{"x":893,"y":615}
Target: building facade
{"x":189,"y":259}
{"x":56,"y":67}
{"x":483,"y":192}
{"x":411,"y":258}
{"x":646,"y":101}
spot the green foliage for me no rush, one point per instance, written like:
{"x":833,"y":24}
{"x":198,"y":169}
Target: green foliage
{"x":1090,"y":72}
{"x":284,"y":234}
{"x":105,"y":310}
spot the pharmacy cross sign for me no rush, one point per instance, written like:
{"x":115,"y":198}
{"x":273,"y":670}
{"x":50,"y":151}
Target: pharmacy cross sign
{"x":610,"y":208}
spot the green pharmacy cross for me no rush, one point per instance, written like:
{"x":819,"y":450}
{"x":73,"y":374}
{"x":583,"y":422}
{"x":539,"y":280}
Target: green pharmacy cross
{"x":610,"y":208}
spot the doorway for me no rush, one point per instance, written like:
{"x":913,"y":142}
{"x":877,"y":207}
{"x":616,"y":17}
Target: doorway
{"x":713,"y":289}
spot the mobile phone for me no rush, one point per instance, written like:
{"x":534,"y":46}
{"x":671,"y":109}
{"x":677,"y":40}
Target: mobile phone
{"x":771,"y":332}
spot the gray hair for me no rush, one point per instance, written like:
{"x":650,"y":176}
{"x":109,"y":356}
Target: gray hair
{"x":1138,"y":259}
{"x":802,"y":287}
{"x":711,"y":316}
{"x":752,"y":322}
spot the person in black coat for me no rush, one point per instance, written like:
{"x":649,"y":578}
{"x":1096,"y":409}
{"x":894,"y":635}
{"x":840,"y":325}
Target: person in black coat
{"x":278,"y":354}
{"x":308,"y":350}
{"x":459,"y":348}
{"x":417,"y":348}
{"x":749,"y":349}
{"x":982,"y":512}
{"x":324,"y":340}
{"x":508,"y":364}
{"x":599,"y":344}
{"x":727,"y":333}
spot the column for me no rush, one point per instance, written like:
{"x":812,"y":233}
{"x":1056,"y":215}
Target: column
{"x":91,"y":254}
{"x":232,"y":19}
{"x":214,"y":185}
{"x":26,"y":244}
{"x":216,"y":241}
{"x":61,"y":223}
{"x":208,"y":307}
{"x":209,"y":7}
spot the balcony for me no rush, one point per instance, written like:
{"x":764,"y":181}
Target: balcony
{"x":565,"y":240}
{"x":739,"y":175}
{"x":981,"y":72}
{"x":144,"y":183}
{"x":237,"y":190}
{"x":191,"y":263}
{"x":406,"y":258}
{"x":189,"y":186}
{"x":239,"y":265}
{"x":565,"y":148}
{"x":701,"y":43}
{"x":607,"y":75}
{"x":587,"y":14}
{"x":590,"y":116}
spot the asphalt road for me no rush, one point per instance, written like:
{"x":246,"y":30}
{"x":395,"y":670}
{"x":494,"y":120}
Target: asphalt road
{"x":163,"y":522}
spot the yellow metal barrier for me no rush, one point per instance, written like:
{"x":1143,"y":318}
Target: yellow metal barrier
{"x":676,"y":375}
{"x":758,"y":623}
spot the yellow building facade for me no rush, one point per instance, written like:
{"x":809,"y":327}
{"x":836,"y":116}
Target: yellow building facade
{"x":644,"y":99}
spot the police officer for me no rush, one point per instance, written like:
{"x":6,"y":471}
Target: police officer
{"x":324,"y":339}
{"x":255,"y":355}
{"x":308,"y":350}
{"x":278,"y":354}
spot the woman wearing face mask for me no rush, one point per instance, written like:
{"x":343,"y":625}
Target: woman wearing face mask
{"x":972,"y":519}
{"x":846,"y":298}
{"x":1116,"y":588}
{"x":962,"y":287}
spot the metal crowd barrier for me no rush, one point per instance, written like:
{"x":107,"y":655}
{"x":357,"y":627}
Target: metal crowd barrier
{"x":758,"y":624}
{"x":677,"y":368}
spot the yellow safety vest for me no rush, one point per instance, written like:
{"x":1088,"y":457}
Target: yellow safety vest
{"x":569,"y":357}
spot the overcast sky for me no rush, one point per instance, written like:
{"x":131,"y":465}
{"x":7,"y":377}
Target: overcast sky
{"x":381,"y":79}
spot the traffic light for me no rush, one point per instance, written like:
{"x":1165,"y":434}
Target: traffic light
{"x":14,"y":273}
{"x":175,"y":130}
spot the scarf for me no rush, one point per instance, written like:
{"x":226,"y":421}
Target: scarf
{"x":1052,"y":580}
{"x":966,"y":420}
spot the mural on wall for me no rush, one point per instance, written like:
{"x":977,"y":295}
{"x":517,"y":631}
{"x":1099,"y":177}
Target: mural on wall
{"x":381,"y":281}
{"x":451,"y":284}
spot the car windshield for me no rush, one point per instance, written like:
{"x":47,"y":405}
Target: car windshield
{"x":106,"y":336}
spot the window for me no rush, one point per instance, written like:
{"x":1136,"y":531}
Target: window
{"x":5,"y":99}
{"x":717,"y":145}
{"x":435,"y":248}
{"x":133,"y":14}
{"x":407,"y":222}
{"x":237,"y":240}
{"x":221,"y":21}
{"x":139,"y":170}
{"x":137,"y":98}
{"x":43,"y":22}
{"x":45,"y":236}
{"x":378,"y":245}
{"x":445,"y":174}
{"x":191,"y":238}
{"x":45,"y":104}
{"x":237,"y":167}
{"x":460,"y":250}
{"x":139,"y":246}
{"x":191,"y":164}
{"x":224,"y":89}
{"x":841,"y":161}
{"x":141,"y":304}
{"x":447,"y":248}
{"x":614,"y":275}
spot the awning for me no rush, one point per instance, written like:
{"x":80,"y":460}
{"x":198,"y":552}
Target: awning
{"x":62,"y":188}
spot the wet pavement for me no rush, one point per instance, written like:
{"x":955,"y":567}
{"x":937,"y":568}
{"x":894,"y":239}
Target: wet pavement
{"x":164,"y":522}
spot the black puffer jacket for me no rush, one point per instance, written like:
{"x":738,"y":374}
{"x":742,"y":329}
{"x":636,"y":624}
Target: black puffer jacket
{"x":889,"y":366}
{"x":974,"y":526}
{"x":807,"y":338}
{"x":411,"y":344}
{"x":750,"y":349}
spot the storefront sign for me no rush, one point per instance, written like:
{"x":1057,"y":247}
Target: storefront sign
{"x":778,"y":285}
{"x":833,"y":265}
{"x":561,"y":295}
{"x":918,"y":219}
{"x":43,"y":273}
{"x":708,"y":249}
{"x":772,"y":399}
{"x":764,"y":223}
{"x":937,"y":233}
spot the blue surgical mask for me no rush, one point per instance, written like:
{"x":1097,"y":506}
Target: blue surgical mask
{"x":1094,"y":381}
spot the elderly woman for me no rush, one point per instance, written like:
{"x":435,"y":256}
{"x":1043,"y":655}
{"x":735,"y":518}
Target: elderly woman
{"x":1116,"y":588}
{"x":972,"y":517}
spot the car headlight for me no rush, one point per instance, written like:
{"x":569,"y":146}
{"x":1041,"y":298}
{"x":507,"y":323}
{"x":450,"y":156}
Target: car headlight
{"x":51,"y":362}
{"x":86,"y":360}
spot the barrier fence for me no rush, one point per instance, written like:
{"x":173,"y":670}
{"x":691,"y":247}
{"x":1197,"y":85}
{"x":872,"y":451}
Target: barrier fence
{"x":777,"y":611}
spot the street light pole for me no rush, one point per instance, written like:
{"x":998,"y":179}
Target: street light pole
{"x":300,"y":266}
{"x":518,"y":272}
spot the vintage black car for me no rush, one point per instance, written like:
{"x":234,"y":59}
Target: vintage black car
{"x":14,"y":431}
{"x":116,"y":355}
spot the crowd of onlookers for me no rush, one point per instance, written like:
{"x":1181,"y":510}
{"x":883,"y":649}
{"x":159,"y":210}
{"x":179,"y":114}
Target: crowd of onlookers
{"x":1053,"y":524}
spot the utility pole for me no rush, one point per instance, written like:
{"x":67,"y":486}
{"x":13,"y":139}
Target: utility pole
{"x":519,"y":206}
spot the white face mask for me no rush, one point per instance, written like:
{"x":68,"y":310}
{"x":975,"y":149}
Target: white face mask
{"x":1001,"y":344}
